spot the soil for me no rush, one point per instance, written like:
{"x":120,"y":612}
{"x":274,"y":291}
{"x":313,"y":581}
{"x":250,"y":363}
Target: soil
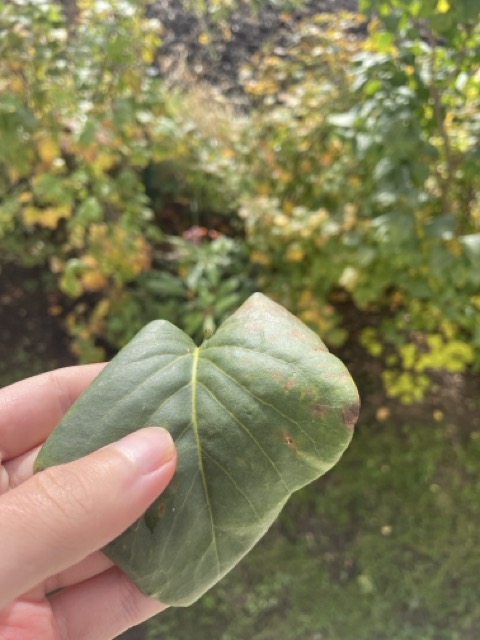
{"x":32,"y":339}
{"x":212,"y":51}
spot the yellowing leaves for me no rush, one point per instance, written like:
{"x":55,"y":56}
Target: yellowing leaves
{"x":48,"y":149}
{"x":205,"y":38}
{"x":443,"y":6}
{"x":92,"y":278}
{"x":118,"y":252}
{"x":258,"y":257}
{"x":295,"y":253}
{"x":47,"y":217}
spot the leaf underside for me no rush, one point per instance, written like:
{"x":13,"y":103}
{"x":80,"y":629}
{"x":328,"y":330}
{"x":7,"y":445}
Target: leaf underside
{"x":257,"y":411}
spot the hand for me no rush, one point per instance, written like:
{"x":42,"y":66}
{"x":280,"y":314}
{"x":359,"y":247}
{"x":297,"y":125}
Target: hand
{"x":54,"y":582}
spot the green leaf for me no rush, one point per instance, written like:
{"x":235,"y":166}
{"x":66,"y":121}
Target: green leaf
{"x":471,"y":244}
{"x":257,"y":411}
{"x":344,"y":120}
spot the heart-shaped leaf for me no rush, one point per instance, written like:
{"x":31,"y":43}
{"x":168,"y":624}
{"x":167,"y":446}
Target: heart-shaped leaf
{"x":257,"y":411}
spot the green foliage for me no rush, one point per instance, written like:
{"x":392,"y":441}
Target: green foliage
{"x":259,"y":410}
{"x":352,"y":177}
{"x":366,"y":184}
{"x":201,"y":278}
{"x":218,"y":10}
{"x":386,"y":543}
{"x":385,"y":547}
{"x":88,"y":139}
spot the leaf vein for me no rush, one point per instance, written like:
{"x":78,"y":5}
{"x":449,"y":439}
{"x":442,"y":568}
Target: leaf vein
{"x":199,"y":450}
{"x":233,"y":481}
{"x":247,"y":430}
{"x":264,"y":402}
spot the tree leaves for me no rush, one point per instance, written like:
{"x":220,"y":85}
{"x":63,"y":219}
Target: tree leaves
{"x":257,"y":411}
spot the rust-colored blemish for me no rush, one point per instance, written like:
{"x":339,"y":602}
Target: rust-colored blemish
{"x":161,"y":509}
{"x":350,"y":415}
{"x":289,"y":384}
{"x":289,"y":441}
{"x":319,"y":410}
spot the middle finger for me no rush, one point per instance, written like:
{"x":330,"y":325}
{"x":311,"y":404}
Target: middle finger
{"x":89,"y":567}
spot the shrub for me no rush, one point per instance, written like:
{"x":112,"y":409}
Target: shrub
{"x":88,"y":139}
{"x":353,"y":177}
{"x":366,"y":185}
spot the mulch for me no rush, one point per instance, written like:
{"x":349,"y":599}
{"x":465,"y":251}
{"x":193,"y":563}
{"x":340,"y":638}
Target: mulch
{"x":213,"y":51}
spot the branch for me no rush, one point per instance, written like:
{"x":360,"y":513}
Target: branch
{"x":445,"y":182}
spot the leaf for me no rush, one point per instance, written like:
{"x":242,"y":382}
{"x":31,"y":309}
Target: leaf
{"x":257,"y":411}
{"x":443,"y":6}
{"x":47,"y":217}
{"x":471,"y":244}
{"x":343,"y":120}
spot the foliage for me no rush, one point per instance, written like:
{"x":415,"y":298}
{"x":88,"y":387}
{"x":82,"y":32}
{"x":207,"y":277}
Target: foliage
{"x":258,"y":411}
{"x":200,"y":279}
{"x":351,"y":179}
{"x":366,"y":183}
{"x":84,"y":119}
{"x":384,"y":547}
{"x":219,"y":10}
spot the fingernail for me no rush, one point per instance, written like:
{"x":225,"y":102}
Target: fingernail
{"x":149,"y":448}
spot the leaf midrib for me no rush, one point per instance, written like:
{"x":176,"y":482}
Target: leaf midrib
{"x":196,"y":355}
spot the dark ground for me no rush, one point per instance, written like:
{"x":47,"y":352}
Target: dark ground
{"x":232,"y":42}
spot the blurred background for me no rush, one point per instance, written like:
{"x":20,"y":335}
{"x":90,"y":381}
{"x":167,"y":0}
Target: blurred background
{"x":165,"y":159}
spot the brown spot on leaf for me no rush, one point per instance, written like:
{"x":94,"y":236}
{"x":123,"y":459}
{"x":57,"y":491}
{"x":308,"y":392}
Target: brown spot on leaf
{"x":161,"y":509}
{"x":289,"y":441}
{"x":320,"y":410}
{"x":289,"y":384}
{"x":350,"y":415}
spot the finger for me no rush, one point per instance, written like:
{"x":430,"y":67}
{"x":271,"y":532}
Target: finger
{"x":62,"y":514}
{"x":20,"y":468}
{"x":103,"y":607}
{"x":89,"y":567}
{"x":30,"y":409}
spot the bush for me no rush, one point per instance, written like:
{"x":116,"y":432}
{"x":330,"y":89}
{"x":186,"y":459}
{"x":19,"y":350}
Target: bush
{"x":366,"y":186}
{"x":352,"y":178}
{"x":88,"y":139}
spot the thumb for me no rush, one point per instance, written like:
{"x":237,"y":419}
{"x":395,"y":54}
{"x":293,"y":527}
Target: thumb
{"x":62,"y":514}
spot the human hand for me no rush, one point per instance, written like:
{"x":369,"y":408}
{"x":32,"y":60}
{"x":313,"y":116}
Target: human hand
{"x":54,"y":582}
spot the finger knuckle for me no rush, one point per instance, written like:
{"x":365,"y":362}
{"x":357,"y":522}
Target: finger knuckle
{"x":65,"y":493}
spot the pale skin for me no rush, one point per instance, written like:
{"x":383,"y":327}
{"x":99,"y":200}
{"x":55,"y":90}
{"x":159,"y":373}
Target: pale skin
{"x":55,"y":584}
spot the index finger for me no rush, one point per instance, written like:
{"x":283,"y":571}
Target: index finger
{"x":30,"y":409}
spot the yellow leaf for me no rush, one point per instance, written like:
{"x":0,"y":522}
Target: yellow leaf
{"x":25,"y":196}
{"x":295,"y":254}
{"x":257,"y":257}
{"x":48,"y":217}
{"x":17,"y":85}
{"x":93,"y":280}
{"x":443,"y":6}
{"x":204,"y":38}
{"x":48,"y":150}
{"x":55,"y":309}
